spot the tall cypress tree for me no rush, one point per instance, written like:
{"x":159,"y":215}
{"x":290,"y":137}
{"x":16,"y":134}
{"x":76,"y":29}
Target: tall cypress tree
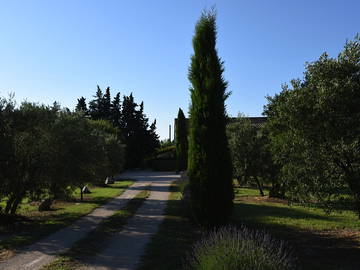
{"x":181,"y":141}
{"x":209,"y":162}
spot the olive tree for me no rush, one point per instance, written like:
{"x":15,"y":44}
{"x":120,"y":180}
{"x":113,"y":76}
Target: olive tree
{"x":314,"y":129}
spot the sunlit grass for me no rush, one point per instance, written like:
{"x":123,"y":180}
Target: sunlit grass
{"x":249,"y":192}
{"x":40,"y":224}
{"x":263,"y":213}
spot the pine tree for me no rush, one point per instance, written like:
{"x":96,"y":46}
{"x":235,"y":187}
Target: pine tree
{"x":81,"y":105}
{"x":153,"y":141}
{"x":209,"y":162}
{"x":181,"y":141}
{"x":106,"y":105}
{"x":141,"y":139}
{"x":115,"y":111}
{"x":96,"y":105}
{"x":131,"y":130}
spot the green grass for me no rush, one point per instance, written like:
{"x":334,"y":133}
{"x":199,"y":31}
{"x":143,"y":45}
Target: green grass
{"x":249,"y":192}
{"x":280,"y":215}
{"x":170,"y":246}
{"x":322,"y":241}
{"x":96,"y":240}
{"x":311,"y":231}
{"x":40,"y":224}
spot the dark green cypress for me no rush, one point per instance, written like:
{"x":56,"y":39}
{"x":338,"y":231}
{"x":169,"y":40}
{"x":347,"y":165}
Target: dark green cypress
{"x":81,"y":105}
{"x":96,"y":108}
{"x":181,"y":141}
{"x":209,"y":162}
{"x":106,"y":105}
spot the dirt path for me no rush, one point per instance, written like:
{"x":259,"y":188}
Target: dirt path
{"x":125,"y":249}
{"x":45,"y":250}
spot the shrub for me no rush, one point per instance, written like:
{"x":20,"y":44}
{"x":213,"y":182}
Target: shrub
{"x":232,"y":248}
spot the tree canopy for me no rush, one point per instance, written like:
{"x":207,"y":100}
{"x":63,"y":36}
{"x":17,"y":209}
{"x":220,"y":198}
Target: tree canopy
{"x":314,"y":130}
{"x":139,"y":136}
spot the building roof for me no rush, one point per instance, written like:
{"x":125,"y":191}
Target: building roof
{"x":257,"y":122}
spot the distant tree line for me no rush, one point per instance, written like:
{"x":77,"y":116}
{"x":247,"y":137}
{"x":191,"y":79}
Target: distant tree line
{"x":47,"y":152}
{"x":139,"y":136}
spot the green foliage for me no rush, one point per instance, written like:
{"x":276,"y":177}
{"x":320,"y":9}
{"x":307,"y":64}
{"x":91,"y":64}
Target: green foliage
{"x":209,"y":163}
{"x":47,"y":152}
{"x":314,"y":129}
{"x":234,"y":248}
{"x":27,"y":156}
{"x":110,"y":152}
{"x":37,"y":225}
{"x":251,"y":158}
{"x":245,"y":148}
{"x":168,"y":151}
{"x":140,"y":140}
{"x":81,"y":105}
{"x":181,"y":142}
{"x":139,"y":137}
{"x":166,"y":143}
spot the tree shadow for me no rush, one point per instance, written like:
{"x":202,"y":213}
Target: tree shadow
{"x":331,"y":249}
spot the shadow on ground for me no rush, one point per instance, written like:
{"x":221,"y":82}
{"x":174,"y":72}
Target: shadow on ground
{"x":333,"y":249}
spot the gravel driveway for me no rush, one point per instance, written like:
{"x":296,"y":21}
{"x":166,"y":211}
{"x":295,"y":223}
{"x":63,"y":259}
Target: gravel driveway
{"x":45,"y":250}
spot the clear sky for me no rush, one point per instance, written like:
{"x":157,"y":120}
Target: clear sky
{"x":59,"y":50}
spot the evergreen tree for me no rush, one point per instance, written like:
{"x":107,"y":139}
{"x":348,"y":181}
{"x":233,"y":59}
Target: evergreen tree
{"x":181,"y":141}
{"x":209,"y":162}
{"x":81,"y":105}
{"x":153,"y":139}
{"x":96,"y":105}
{"x":115,"y":111}
{"x":106,"y":105}
{"x":140,"y":138}
{"x":131,"y":129}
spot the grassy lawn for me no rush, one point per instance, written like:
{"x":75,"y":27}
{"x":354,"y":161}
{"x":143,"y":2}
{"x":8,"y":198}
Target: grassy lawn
{"x":96,"y":240}
{"x":169,"y":247}
{"x":40,"y":224}
{"x":249,"y":191}
{"x":322,"y":241}
{"x":266,"y":213}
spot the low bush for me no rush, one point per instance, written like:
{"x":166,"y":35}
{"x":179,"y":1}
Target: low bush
{"x":231,"y":248}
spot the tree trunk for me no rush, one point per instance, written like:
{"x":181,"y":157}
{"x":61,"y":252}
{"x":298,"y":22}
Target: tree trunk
{"x":238,"y":179}
{"x":259,"y":186}
{"x":81,"y":194}
{"x":9,"y":204}
{"x":15,"y":205}
{"x":354,"y":184}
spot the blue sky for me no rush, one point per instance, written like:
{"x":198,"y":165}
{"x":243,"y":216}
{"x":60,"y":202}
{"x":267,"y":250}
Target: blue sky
{"x":60,"y":50}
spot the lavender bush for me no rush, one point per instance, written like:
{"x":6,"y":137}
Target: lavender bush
{"x":231,"y":248}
